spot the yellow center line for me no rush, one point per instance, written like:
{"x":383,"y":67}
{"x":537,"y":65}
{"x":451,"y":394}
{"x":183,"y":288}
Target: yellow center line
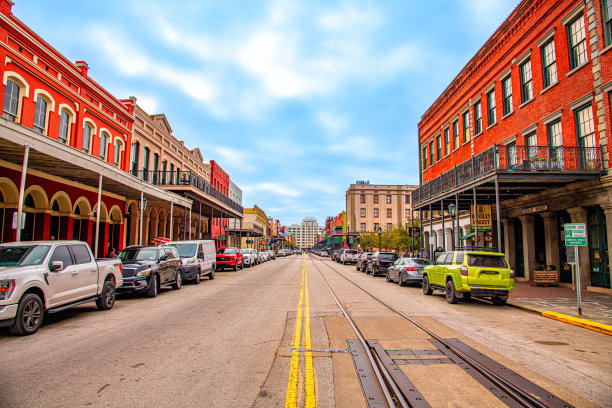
{"x":310,"y":382}
{"x":294,"y":367}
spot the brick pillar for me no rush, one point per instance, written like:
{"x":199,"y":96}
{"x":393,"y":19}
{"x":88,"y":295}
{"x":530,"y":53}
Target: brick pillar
{"x":509,"y":239}
{"x":69,"y":227}
{"x":607,"y":207}
{"x":146,"y":225}
{"x":551,"y":234}
{"x":88,"y":236}
{"x":529,"y":258}
{"x":579,"y":216}
{"x":46,"y":226}
{"x":153,"y":227}
{"x":122,"y":237}
{"x":105,"y":241}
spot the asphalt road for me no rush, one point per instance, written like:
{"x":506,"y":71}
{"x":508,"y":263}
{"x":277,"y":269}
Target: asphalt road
{"x":228,"y":343}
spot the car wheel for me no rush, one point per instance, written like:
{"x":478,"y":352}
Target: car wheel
{"x":242,"y":265}
{"x":497,"y":301}
{"x":179,"y":280}
{"x":152,"y":292}
{"x":426,"y":288}
{"x":388,"y":277}
{"x":357,"y":267}
{"x":211,"y":275}
{"x":235,"y":268}
{"x":451,"y":296}
{"x":106,"y":300}
{"x":198,"y":277}
{"x":400,"y":279}
{"x":29,"y":317}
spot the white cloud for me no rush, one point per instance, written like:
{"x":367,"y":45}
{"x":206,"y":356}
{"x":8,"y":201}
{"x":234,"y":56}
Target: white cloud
{"x":350,"y":18}
{"x":331,"y":122}
{"x":272,"y":187}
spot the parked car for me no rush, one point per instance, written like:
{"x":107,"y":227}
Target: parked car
{"x":362,"y":261}
{"x":379,"y":262}
{"x":229,"y":258}
{"x":147,"y":268}
{"x":349,"y":256}
{"x":271,"y":254}
{"x":198,"y":259}
{"x":283,"y":252}
{"x":465,"y":274}
{"x":324,"y":253}
{"x":335,"y":255}
{"x":248,"y":257}
{"x":257,"y":257}
{"x":41,"y":277}
{"x":407,"y":270}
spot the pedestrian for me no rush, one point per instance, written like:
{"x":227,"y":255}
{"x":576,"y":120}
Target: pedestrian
{"x":111,"y":253}
{"x":406,"y":254}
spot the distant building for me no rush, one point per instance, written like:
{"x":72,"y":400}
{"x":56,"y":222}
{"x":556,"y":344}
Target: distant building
{"x":306,"y":233}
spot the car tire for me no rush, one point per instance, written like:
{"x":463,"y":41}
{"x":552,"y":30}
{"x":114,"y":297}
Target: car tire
{"x":451,"y":295}
{"x":153,"y":289}
{"x":179,"y":280}
{"x":497,"y":301}
{"x":235,"y":268}
{"x":198,"y":277}
{"x":211,"y":275}
{"x":400,"y":279}
{"x":426,"y":288}
{"x":29,"y":317}
{"x":357,"y":267}
{"x":387,"y":277}
{"x":106,"y":300}
{"x":242,"y":265}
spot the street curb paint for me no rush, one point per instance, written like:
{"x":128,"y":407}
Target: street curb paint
{"x":587,"y":324}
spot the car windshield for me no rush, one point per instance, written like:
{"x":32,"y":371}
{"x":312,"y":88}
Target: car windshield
{"x":244,"y":251}
{"x":186,"y":250}
{"x":138,"y":254}
{"x":23,"y":255}
{"x":422,"y":262}
{"x":487,"y":261}
{"x":387,"y":257}
{"x":226,"y":251}
{"x":350,"y":251}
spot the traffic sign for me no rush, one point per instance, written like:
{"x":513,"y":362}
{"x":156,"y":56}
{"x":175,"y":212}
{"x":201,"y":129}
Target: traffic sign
{"x":575,"y":234}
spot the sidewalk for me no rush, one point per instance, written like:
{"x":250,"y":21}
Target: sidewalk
{"x":596,"y":307}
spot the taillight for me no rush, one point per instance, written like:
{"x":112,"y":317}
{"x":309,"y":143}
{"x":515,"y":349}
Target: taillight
{"x":512,"y":273}
{"x":411,"y":269}
{"x":463,"y":270}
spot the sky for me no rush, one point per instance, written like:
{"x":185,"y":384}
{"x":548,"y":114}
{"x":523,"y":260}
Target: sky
{"x":295,"y":99}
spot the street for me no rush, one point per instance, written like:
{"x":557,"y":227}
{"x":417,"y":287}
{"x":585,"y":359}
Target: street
{"x":227,"y":342}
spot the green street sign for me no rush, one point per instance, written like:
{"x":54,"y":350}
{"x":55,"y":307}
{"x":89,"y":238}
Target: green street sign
{"x":575,"y":234}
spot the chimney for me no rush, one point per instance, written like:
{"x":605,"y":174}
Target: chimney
{"x":6,"y":7}
{"x":82,"y":65}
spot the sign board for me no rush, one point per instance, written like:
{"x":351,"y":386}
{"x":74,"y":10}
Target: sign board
{"x":575,"y":234}
{"x":415,"y":231}
{"x":15,"y":216}
{"x":535,"y":209}
{"x":249,"y":241}
{"x":432,"y":240}
{"x":485,"y":219}
{"x":571,"y":258}
{"x":222,"y":238}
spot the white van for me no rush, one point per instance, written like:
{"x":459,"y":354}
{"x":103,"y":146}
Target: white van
{"x":198,"y":258}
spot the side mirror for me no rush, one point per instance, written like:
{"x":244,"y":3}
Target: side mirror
{"x":56,"y":266}
{"x":163,"y":257}
{"x":201,"y":255}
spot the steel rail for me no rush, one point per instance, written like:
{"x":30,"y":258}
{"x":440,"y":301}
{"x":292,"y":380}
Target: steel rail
{"x":378,"y":370}
{"x":521,"y":396}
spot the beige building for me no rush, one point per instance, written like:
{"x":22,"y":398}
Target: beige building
{"x":369,"y":206}
{"x":305,"y":234}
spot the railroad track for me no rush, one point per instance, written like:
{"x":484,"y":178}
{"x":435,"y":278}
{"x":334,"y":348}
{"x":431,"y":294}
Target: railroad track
{"x":385,"y":385}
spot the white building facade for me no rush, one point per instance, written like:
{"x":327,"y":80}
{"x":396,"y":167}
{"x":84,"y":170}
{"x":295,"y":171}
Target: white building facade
{"x":305,"y":234}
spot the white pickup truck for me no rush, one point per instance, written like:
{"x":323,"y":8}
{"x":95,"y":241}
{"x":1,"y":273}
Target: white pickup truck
{"x":51,"y":276}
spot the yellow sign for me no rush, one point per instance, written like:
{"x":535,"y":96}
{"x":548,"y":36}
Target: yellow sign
{"x":485,"y":218}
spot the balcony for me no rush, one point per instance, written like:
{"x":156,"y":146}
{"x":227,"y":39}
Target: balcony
{"x":514,"y":163}
{"x":185,"y":178}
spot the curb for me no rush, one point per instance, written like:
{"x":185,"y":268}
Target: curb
{"x":587,"y":324}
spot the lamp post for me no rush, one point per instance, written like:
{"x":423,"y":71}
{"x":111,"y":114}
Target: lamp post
{"x":348,"y":236}
{"x":452,"y":212}
{"x":379,"y":231}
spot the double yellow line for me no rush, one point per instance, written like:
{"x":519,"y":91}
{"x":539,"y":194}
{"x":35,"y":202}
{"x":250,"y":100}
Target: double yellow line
{"x":303,"y":313}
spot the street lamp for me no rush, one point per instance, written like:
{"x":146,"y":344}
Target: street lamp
{"x":452,"y":211}
{"x":348,"y":236}
{"x":379,"y":231}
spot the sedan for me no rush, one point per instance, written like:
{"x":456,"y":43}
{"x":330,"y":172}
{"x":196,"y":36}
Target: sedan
{"x":407,"y":270}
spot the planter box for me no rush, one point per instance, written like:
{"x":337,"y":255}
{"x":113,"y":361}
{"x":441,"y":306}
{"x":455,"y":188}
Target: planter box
{"x":546,"y":278}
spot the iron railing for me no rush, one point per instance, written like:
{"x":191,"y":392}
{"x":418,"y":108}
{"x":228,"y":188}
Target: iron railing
{"x":185,"y":178}
{"x":513,"y":158}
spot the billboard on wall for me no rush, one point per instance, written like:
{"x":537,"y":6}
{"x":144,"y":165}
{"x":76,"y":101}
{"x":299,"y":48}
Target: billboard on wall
{"x":281,"y":231}
{"x":485,"y":219}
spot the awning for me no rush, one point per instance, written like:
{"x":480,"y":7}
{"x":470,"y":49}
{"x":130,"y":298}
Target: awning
{"x":467,"y":236}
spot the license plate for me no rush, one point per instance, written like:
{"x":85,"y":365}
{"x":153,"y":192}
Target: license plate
{"x":490,"y":272}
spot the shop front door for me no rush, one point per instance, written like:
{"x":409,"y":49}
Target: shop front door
{"x":598,"y":248}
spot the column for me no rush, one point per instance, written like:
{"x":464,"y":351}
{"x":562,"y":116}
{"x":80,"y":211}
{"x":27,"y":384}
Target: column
{"x":46,"y":232}
{"x":551,"y":234}
{"x":89,"y":233}
{"x":122,"y":237}
{"x":146,"y":225}
{"x":509,"y":239}
{"x":529,"y":258}
{"x":448,"y":234}
{"x":69,"y":227}
{"x":607,"y":207}
{"x":579,"y":216}
{"x":154,"y":226}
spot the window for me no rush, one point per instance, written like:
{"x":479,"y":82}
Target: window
{"x":61,"y":254}
{"x":164,"y":169}
{"x":511,"y":153}
{"x":531,"y":144}
{"x":81,"y":254}
{"x":363,"y":227}
{"x":526,"y":83}
{"x":135,"y":153}
{"x":11,"y":101}
{"x":117,"y":152}
{"x":64,"y":125}
{"x":376,"y":213}
{"x":477,"y":118}
{"x":145,"y":164}
{"x":86,"y":138}
{"x":549,"y":64}
{"x":362,"y":198}
{"x":103,"y":145}
{"x":425,"y":158}
{"x":388,"y":199}
{"x":155,"y":167}
{"x":507,"y":93}
{"x":375,"y":226}
{"x":388,"y":213}
{"x":407,"y":212}
{"x":555,"y":141}
{"x":446,"y":141}
{"x":389,"y":226}
{"x":606,"y":7}
{"x":376,"y":199}
{"x":466,"y":126}
{"x":431,"y":153}
{"x":40,"y":115}
{"x":407,"y":199}
{"x":438,"y":147}
{"x":576,"y":33}
{"x":585,"y":128}
{"x":456,"y":134}
{"x":491,"y":117}
{"x":363,"y":213}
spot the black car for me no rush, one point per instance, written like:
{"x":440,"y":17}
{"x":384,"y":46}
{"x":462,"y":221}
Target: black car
{"x":380,"y":262}
{"x":147,"y":268}
{"x":362,"y":261}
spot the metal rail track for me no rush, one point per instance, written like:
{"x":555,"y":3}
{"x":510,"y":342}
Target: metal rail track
{"x":519,"y":394}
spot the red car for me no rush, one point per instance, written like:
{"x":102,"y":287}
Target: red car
{"x":229,"y":258}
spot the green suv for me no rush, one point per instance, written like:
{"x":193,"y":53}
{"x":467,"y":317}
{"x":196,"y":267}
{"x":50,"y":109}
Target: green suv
{"x":463,"y":274}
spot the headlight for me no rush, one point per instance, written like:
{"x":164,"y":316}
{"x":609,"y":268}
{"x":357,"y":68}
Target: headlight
{"x":189,"y":261}
{"x":6,"y":288}
{"x":144,"y":273}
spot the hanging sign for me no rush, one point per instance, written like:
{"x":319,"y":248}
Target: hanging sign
{"x":536,"y":209}
{"x":23,"y":218}
{"x":484,"y":218}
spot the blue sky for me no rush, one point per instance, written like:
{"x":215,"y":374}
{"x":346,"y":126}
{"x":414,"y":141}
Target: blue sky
{"x":295,"y":99}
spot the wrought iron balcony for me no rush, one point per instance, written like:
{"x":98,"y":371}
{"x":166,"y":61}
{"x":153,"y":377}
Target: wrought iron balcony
{"x":185,"y":178}
{"x":498,"y":159}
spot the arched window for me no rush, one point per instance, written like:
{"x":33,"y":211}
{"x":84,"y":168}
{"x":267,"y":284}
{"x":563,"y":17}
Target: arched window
{"x":40,"y":115}
{"x":103,"y":145}
{"x":11,"y":100}
{"x":118,"y":152}
{"x":87,"y":131}
{"x":64,"y":126}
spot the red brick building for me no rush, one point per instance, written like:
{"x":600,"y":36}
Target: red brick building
{"x":521,"y":132}
{"x":220,"y":180}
